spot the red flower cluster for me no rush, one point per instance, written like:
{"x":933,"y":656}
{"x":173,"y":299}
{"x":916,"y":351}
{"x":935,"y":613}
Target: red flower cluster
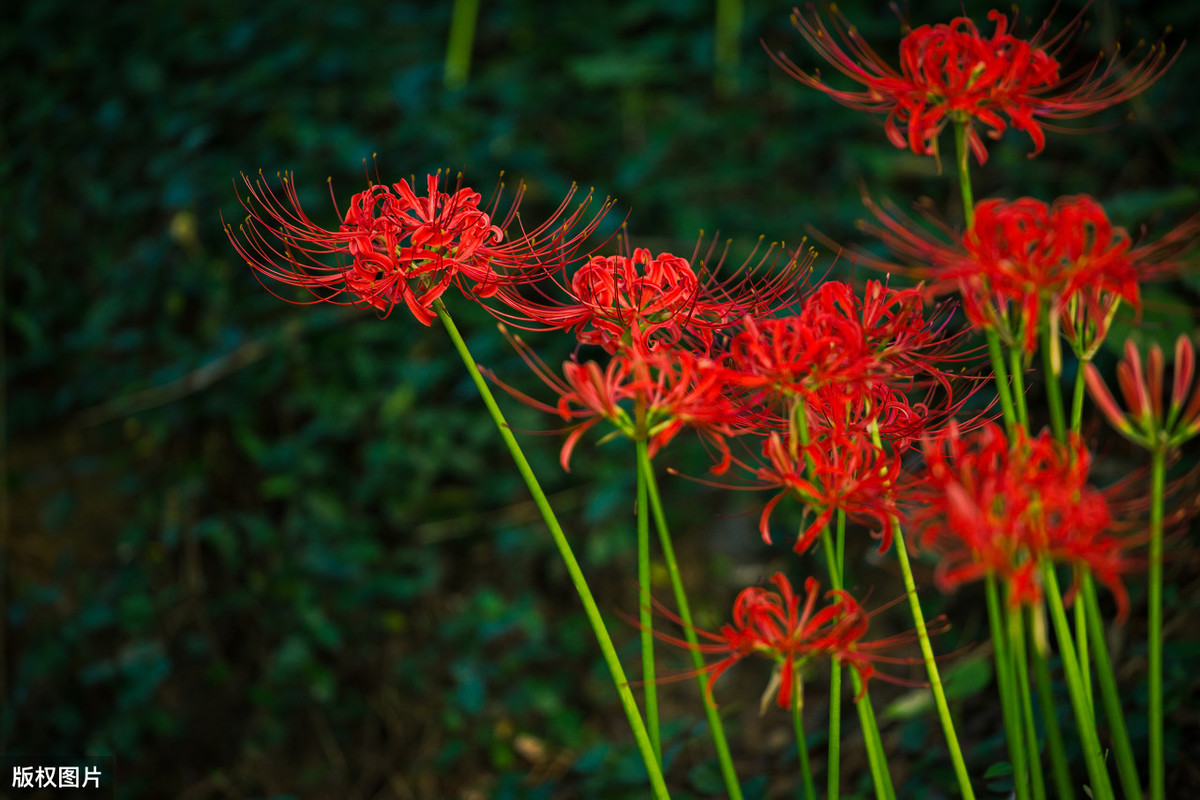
{"x":772,"y":623}
{"x":674,"y":389}
{"x":991,"y":506}
{"x":643,"y":301}
{"x":837,"y":472}
{"x":394,"y":246}
{"x":835,"y":339}
{"x":1023,"y":255}
{"x":954,"y":73}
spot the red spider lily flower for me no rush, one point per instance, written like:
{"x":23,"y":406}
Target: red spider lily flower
{"x":991,"y":506}
{"x":643,"y":301}
{"x":1022,"y":258}
{"x":772,"y":623}
{"x":1147,"y":423}
{"x":834,"y":472}
{"x":675,"y":389}
{"x":395,"y":246}
{"x":837,"y":338}
{"x":954,"y":73}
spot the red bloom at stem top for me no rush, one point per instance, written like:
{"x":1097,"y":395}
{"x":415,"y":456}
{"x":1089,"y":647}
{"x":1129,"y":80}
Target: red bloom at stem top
{"x":955,"y":73}
{"x":396,"y":246}
{"x":989,"y":505}
{"x":649,"y":396}
{"x":1021,"y":258}
{"x":773,"y":623}
{"x":643,"y":301}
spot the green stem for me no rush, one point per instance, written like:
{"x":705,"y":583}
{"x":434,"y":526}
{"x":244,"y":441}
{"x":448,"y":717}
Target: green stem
{"x":724,"y":757}
{"x":1063,"y":788}
{"x":996,"y":354}
{"x":657,"y":783}
{"x":810,"y":789}
{"x":1158,"y":473}
{"x":1084,"y":718}
{"x":835,"y":688}
{"x":462,"y":39}
{"x":962,"y":153}
{"x":834,"y":776}
{"x":1018,"y":382}
{"x":1009,"y":707}
{"x":645,"y":616}
{"x":876,"y":757}
{"x":1126,"y":766}
{"x":1077,"y":396}
{"x":1016,"y":631}
{"x":1081,"y":647}
{"x":931,"y":668}
{"x":1053,"y":390}
{"x":728,"y":32}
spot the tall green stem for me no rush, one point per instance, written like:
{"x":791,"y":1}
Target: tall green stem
{"x":996,"y":354}
{"x":1078,"y":392}
{"x":724,"y":758}
{"x":962,"y":155}
{"x":1158,"y":473}
{"x":645,"y":616}
{"x":658,"y":785}
{"x":1063,"y":787}
{"x":1018,"y":387}
{"x":1126,"y":766}
{"x":1053,"y":390}
{"x":931,"y":668}
{"x":1084,"y":717}
{"x":806,"y":778}
{"x":728,"y":32}
{"x":876,"y":756}
{"x":1016,"y":638}
{"x":462,"y":39}
{"x":1005,"y":681}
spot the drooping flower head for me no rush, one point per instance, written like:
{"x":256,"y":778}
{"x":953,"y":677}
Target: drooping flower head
{"x":957,"y":74}
{"x":991,"y":505}
{"x":396,"y":246}
{"x":790,"y":630}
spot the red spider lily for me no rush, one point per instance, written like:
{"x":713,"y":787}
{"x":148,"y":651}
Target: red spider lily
{"x":836,"y":338}
{"x":1147,"y":423}
{"x":674,"y":389}
{"x":772,"y":623}
{"x":834,"y":472}
{"x":989,"y":506}
{"x":954,"y":73}
{"x":394,"y":246}
{"x":1023,"y":257}
{"x":644,"y":301}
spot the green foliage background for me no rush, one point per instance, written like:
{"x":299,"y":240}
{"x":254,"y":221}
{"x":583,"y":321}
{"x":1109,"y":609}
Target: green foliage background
{"x":256,"y":550}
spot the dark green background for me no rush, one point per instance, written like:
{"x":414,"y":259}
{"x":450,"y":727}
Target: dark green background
{"x":257,"y":550}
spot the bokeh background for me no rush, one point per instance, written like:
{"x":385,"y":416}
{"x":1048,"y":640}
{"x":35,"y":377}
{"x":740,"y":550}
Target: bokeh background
{"x":254,"y":550}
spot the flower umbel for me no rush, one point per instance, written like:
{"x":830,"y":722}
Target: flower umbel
{"x":955,"y":73}
{"x":1022,"y":258}
{"x":395,"y":246}
{"x":790,"y":630}
{"x":988,"y":505}
{"x":643,"y":301}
